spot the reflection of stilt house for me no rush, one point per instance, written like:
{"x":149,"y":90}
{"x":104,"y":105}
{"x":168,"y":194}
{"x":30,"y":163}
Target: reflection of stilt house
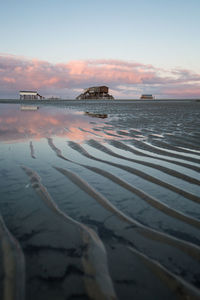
{"x":96,"y":92}
{"x":94,"y":115}
{"x":30,"y":95}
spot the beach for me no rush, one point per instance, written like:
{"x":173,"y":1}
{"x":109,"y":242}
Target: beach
{"x":100,"y":199}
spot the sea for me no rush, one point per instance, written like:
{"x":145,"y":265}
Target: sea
{"x":100,"y":199}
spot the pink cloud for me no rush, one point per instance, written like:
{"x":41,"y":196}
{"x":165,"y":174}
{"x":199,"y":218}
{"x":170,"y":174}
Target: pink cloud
{"x":183,"y":91}
{"x":9,"y":80}
{"x":18,"y":73}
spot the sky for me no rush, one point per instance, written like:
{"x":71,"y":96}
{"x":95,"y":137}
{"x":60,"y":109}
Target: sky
{"x":60,"y":47}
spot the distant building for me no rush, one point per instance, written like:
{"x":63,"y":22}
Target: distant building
{"x":147,"y":97}
{"x":95,"y":92}
{"x":53,"y":98}
{"x":30,"y":95}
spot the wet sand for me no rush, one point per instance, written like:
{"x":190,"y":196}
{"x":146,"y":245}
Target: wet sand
{"x":100,"y":200}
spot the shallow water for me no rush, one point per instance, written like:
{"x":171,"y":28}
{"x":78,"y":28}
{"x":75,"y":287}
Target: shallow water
{"x":100,"y":200}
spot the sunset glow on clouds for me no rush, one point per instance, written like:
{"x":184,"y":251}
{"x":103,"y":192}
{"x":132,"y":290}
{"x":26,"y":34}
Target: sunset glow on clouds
{"x":125,"y":79}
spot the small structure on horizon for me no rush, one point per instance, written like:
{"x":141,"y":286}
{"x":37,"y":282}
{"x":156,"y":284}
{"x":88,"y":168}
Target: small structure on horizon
{"x":30,"y":95}
{"x":95,"y":92}
{"x":53,"y":98}
{"x":147,"y":97}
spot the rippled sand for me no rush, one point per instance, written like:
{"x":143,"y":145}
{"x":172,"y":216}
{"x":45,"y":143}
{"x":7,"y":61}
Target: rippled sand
{"x":100,"y":200}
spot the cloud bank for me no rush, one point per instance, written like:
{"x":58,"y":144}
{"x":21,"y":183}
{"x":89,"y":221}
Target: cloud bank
{"x":125,"y":79}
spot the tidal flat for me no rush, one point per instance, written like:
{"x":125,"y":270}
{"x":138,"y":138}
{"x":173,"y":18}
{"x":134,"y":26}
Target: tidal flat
{"x":100,"y":200}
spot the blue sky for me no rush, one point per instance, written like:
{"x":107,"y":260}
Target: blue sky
{"x":161,"y":33}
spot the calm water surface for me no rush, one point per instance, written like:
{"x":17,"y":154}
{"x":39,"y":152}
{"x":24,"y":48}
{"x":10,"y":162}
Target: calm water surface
{"x":100,"y":200}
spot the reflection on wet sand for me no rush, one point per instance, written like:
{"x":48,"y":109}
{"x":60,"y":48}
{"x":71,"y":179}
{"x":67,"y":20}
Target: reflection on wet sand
{"x":24,"y":124}
{"x":93,"y":115}
{"x":29,"y":107}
